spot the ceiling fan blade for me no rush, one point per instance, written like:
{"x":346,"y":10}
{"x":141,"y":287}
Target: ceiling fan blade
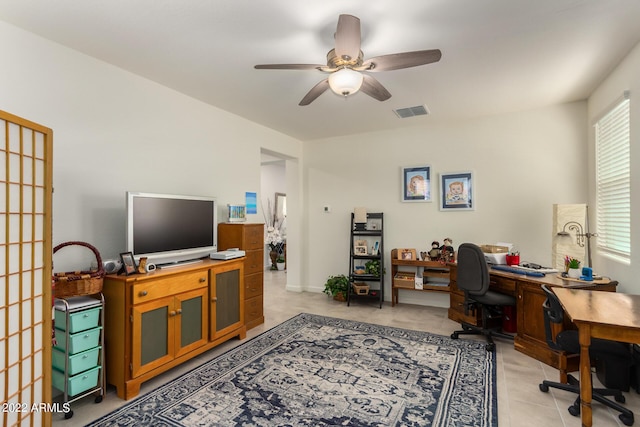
{"x":315,"y":92}
{"x":288,"y":67}
{"x":374,"y":89}
{"x":348,"y":37}
{"x":396,"y":61}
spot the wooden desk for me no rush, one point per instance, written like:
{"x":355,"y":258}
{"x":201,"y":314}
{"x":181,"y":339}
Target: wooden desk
{"x":604,"y":315}
{"x":530,"y":336}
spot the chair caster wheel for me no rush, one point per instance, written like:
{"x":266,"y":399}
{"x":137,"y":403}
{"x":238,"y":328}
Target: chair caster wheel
{"x":620,"y":398}
{"x":68,"y":415}
{"x":454,"y":336}
{"x":574,"y":410}
{"x":544,"y":388}
{"x":626,"y":420}
{"x":490,"y":347}
{"x":98,"y":399}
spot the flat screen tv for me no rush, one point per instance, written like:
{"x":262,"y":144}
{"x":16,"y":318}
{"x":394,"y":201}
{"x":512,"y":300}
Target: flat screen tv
{"x":169,"y":229}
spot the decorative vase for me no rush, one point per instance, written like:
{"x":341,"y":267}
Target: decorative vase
{"x":574,"y":273}
{"x":273,"y":255}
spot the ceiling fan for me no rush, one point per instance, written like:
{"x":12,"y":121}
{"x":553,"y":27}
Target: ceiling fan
{"x":345,"y":64}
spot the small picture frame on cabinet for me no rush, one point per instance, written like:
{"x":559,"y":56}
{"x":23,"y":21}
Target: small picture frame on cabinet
{"x":237,"y":213}
{"x":407,"y":254}
{"x":360,"y":250}
{"x":128,"y":263}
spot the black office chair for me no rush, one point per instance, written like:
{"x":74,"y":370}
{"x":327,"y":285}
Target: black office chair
{"x":610,"y":352}
{"x":473,"y":280}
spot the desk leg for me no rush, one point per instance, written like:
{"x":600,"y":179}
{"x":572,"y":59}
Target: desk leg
{"x":584,"y":331}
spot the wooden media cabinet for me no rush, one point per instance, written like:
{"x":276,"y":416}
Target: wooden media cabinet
{"x":158,"y":320}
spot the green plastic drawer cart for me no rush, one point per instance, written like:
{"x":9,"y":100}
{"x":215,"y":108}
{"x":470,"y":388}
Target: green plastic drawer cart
{"x":78,"y":351}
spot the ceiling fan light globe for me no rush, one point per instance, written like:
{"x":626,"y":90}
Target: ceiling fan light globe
{"x":345,"y":82}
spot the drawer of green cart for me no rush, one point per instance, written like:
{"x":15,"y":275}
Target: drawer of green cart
{"x":77,"y":362}
{"x":77,"y":383}
{"x":78,"y":321}
{"x":79,"y":341}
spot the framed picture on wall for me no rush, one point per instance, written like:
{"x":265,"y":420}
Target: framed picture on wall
{"x":457,"y":191}
{"x":416,"y":184}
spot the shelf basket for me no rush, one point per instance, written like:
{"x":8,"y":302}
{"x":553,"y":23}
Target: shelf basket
{"x":78,"y":283}
{"x":360,"y":288}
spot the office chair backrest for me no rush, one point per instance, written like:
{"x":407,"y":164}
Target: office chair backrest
{"x":553,"y":313}
{"x":473,"y":273}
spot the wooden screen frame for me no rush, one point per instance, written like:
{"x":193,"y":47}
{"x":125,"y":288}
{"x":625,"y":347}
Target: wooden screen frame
{"x":35,"y":151}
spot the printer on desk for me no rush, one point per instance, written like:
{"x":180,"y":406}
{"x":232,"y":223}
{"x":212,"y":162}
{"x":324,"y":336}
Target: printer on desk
{"x":496,"y":254}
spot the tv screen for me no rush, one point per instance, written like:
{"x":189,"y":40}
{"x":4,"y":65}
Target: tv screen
{"x":170,"y":228}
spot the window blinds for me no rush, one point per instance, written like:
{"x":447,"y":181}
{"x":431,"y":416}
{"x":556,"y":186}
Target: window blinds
{"x":613,"y":196}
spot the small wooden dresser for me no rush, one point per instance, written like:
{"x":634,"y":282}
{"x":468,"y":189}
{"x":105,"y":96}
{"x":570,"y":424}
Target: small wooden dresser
{"x":250,"y":238}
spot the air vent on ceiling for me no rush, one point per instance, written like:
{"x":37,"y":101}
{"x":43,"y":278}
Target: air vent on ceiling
{"x":404,"y":113}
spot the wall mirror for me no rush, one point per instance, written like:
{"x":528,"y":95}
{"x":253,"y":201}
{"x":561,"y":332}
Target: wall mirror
{"x":281,"y":207}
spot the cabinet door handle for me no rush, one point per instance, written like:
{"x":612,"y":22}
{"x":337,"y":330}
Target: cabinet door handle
{"x":143,"y":293}
{"x":202,"y":280}
{"x":172,"y":313}
{"x":214,"y":299}
{"x":179,"y":311}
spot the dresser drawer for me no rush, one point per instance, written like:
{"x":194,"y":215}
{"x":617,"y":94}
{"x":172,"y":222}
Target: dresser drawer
{"x":78,"y":321}
{"x":78,"y":362}
{"x":254,"y":236}
{"x":78,"y":383}
{"x":78,"y":342}
{"x":254,"y":262}
{"x":503,"y":285}
{"x":253,"y":309}
{"x":457,"y":303}
{"x":253,"y":285}
{"x":175,"y":284}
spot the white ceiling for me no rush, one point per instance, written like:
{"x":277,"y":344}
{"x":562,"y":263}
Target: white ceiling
{"x":497,"y":55}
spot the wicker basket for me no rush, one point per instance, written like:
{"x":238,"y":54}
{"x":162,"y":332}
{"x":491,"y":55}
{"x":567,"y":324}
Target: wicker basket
{"x":78,"y":283}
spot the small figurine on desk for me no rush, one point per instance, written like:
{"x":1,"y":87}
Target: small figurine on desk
{"x":446,"y":250}
{"x":434,"y":253}
{"x":142,"y":265}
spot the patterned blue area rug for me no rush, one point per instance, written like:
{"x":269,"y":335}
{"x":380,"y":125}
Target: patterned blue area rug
{"x":321,"y":371}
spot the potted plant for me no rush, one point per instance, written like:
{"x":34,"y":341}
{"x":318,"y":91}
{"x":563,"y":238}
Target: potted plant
{"x":280,"y":261}
{"x":372,"y":267}
{"x":573,"y":267}
{"x":337,"y":287}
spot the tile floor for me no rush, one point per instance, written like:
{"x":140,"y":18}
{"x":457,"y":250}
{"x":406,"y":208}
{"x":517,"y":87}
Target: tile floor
{"x":520,"y":402}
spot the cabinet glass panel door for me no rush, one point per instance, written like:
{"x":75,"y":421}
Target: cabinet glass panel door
{"x":154,"y":335}
{"x":227,"y":295}
{"x":152,"y":343}
{"x":192,"y":318}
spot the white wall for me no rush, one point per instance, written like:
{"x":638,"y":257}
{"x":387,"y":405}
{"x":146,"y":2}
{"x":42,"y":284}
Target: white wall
{"x":114,"y":131}
{"x":625,"y":77}
{"x":523,"y":163}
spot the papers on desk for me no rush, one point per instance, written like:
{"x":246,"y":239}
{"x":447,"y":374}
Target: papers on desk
{"x":568,"y":282}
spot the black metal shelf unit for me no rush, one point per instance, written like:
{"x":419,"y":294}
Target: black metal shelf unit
{"x":366,"y":259}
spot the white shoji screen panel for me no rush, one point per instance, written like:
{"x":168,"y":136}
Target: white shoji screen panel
{"x":25,"y":270}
